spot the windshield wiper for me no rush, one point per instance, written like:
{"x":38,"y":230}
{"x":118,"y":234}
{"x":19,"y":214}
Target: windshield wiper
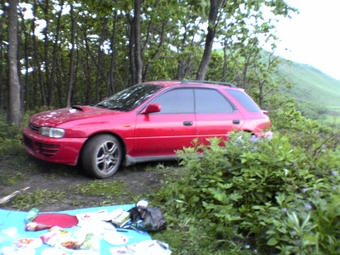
{"x":101,"y":105}
{"x":117,"y":108}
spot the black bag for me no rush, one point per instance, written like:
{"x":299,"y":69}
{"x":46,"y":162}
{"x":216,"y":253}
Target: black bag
{"x":147,"y":219}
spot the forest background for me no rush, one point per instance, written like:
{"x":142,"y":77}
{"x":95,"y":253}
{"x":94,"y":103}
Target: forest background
{"x":70,"y":52}
{"x":61,"y":53}
{"x":264,"y":197}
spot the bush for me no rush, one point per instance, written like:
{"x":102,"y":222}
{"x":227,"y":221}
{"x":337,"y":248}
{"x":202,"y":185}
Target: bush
{"x":10,"y":137}
{"x":265,"y":194}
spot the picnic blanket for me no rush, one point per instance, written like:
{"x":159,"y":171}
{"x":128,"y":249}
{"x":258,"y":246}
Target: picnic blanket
{"x":12,"y":229}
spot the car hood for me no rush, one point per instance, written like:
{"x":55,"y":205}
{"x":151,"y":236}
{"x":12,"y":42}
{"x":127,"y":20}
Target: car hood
{"x":56,"y":117}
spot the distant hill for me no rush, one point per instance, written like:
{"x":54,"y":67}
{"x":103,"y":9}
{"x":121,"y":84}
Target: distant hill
{"x":311,"y":84}
{"x":312,"y":87}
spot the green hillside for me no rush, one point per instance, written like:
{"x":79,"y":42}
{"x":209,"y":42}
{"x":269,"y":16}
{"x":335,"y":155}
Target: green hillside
{"x":311,"y":85}
{"x":311,"y":88}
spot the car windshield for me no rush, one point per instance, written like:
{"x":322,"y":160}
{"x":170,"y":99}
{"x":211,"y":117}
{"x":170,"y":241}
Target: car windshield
{"x":128,"y":99}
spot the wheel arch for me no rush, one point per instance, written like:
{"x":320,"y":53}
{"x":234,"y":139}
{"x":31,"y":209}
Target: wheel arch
{"x":248,"y":131}
{"x":120,"y":139}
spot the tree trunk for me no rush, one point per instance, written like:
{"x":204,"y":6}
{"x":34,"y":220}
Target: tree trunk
{"x":245,"y":72}
{"x":137,"y":41}
{"x":209,"y":41}
{"x":97,"y":61}
{"x":157,"y":52}
{"x":2,"y":20}
{"x":26,"y":82}
{"x":185,"y":62}
{"x":71,"y":68}
{"x":225,"y":63}
{"x":88,"y":94}
{"x":36,"y":60}
{"x":14,"y":114}
{"x":46,"y":51}
{"x":51,"y":81}
{"x":131,"y":54}
{"x":113,"y":66}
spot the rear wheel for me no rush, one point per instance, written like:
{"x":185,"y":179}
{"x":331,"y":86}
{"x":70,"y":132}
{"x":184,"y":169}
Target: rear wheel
{"x":102,"y":156}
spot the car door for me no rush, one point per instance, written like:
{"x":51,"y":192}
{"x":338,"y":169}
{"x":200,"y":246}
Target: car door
{"x":216,"y":116}
{"x":174,"y":127}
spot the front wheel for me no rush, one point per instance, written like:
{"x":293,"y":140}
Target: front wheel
{"x":102,"y":156}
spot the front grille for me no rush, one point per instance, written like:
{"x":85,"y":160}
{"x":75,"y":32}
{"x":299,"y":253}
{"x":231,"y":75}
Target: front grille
{"x":28,"y":142}
{"x":47,"y":150}
{"x":34,"y":128}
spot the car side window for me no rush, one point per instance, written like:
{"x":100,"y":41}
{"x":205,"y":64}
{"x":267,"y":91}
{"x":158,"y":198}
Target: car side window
{"x":211,"y":101}
{"x":176,"y":101}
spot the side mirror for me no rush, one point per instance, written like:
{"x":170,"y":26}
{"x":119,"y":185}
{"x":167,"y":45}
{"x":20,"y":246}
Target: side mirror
{"x":151,"y":108}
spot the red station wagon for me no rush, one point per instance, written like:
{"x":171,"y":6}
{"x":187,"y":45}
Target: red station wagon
{"x":145,"y":122}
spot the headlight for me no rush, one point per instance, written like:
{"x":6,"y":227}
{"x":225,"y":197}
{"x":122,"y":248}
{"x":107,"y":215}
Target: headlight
{"x":52,"y":132}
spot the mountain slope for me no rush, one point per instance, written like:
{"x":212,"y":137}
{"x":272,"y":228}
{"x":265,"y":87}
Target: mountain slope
{"x":311,"y":85}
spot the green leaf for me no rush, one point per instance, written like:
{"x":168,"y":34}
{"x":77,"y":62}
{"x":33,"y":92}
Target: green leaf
{"x":272,"y":241}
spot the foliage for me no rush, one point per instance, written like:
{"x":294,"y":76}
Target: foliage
{"x":10,"y":137}
{"x":9,"y":178}
{"x":85,"y":51}
{"x":101,"y":188}
{"x":317,"y":94}
{"x":36,"y":198}
{"x":303,"y":131}
{"x":312,"y":110}
{"x":248,"y":196}
{"x":267,"y":194}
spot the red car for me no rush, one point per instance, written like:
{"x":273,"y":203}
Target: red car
{"x":145,"y":122}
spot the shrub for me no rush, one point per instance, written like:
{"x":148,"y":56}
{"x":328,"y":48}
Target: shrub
{"x":10,"y":137}
{"x":266,"y":194}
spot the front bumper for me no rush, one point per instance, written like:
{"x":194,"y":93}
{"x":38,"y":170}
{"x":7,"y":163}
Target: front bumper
{"x":57,"y":150}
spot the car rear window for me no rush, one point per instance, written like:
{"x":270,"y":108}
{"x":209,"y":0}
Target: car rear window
{"x":211,"y":101}
{"x":245,"y":100}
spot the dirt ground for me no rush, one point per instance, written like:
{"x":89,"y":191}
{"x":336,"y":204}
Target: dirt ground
{"x":37,"y":175}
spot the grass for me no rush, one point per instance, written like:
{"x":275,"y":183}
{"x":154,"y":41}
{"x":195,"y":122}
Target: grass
{"x":311,"y":85}
{"x":102,"y":188}
{"x":8,"y":178}
{"x":30,"y":200}
{"x":182,"y":237}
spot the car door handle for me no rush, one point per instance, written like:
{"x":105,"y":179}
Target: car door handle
{"x":187,"y":123}
{"x":236,"y":121}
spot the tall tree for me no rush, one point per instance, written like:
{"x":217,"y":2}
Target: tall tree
{"x":215,"y":6}
{"x":241,"y":12}
{"x":14,"y":114}
{"x":2,"y":53}
{"x":45,"y":6}
{"x":55,"y":52}
{"x":37,"y":60}
{"x":136,"y":33}
{"x":119,"y":43}
{"x":71,"y":68}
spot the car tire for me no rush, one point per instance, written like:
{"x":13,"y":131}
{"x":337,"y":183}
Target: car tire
{"x":102,"y":156}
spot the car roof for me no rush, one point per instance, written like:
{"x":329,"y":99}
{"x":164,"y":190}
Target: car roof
{"x":195,"y":83}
